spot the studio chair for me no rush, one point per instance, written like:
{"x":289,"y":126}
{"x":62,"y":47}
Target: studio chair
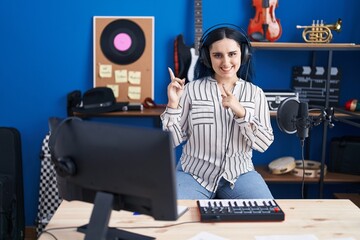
{"x":12,"y":217}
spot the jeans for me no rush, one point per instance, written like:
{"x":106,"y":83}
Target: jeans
{"x":249,"y":185}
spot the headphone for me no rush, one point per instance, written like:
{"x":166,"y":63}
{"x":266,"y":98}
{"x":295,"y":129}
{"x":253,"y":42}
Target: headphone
{"x":64,"y":166}
{"x":245,"y":45}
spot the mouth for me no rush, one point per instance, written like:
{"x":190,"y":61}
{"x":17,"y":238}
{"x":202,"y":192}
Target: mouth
{"x":227,"y":68}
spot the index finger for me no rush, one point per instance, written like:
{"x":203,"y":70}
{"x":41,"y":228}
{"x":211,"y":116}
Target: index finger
{"x":225,"y":90}
{"x":172,"y":76}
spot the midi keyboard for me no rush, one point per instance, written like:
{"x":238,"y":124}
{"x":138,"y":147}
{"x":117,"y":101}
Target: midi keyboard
{"x":239,"y":210}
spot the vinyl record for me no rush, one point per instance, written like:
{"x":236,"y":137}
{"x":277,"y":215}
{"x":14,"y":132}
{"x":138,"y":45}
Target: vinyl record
{"x":122,"y":41}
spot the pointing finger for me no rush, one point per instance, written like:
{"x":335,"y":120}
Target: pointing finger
{"x":172,"y":76}
{"x":227,"y":93}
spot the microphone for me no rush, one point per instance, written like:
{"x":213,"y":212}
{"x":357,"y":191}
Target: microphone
{"x":302,"y":121}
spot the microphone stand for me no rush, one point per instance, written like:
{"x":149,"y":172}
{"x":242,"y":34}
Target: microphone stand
{"x":327,"y":123}
{"x":325,"y":117}
{"x":344,"y":120}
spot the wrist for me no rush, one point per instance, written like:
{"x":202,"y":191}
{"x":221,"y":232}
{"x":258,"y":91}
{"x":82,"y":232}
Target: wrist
{"x":239,"y":112}
{"x":172,"y":105}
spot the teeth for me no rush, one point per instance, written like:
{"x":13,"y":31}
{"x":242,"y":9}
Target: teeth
{"x":226,"y":69}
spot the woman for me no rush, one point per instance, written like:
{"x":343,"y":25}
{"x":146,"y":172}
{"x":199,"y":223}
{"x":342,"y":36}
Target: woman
{"x":221,"y":118}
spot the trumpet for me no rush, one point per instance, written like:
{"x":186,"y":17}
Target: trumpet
{"x":318,"y":32}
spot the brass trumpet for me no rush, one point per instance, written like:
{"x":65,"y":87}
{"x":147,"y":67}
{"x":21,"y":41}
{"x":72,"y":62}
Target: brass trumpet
{"x":318,"y":32}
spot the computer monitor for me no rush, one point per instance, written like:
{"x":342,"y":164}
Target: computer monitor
{"x":116,"y":167}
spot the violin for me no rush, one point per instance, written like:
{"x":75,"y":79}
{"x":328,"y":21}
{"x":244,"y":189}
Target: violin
{"x":264,"y":26}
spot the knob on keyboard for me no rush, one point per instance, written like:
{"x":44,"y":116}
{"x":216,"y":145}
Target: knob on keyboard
{"x":240,"y":210}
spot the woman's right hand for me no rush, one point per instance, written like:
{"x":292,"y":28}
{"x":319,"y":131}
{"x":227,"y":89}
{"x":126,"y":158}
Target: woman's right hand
{"x":174,"y":90}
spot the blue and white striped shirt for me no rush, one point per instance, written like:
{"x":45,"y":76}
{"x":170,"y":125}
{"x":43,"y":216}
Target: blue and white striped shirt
{"x":217,"y":143}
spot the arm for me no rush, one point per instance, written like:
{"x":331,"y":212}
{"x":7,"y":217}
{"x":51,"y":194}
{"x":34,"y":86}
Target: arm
{"x":175,"y":115}
{"x":256,"y":123}
{"x":253,"y":117}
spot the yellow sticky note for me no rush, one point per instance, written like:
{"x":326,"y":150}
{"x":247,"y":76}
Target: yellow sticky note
{"x":134,"y":92}
{"x":105,"y":71}
{"x":134,"y":77}
{"x":115,"y":89}
{"x":121,"y":76}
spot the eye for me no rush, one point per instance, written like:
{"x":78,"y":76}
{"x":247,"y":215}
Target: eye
{"x":232,"y":54}
{"x":216,"y":55}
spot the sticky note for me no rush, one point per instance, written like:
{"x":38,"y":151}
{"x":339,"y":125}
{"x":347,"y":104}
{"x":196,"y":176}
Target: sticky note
{"x":134,"y":92}
{"x":105,"y":71}
{"x":134,"y":77}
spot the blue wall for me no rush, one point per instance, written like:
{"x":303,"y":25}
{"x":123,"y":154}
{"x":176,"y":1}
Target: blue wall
{"x":46,"y":52}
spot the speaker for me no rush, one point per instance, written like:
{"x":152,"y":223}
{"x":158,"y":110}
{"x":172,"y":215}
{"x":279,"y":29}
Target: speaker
{"x":240,"y":36}
{"x":343,"y":152}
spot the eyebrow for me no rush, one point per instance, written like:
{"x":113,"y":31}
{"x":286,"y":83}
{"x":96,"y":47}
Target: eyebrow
{"x":226,"y":53}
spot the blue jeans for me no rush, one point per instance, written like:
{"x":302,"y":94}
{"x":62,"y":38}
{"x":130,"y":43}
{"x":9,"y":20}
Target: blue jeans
{"x":249,"y":185}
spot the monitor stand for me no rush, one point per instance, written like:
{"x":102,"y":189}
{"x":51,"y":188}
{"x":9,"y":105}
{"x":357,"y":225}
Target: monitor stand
{"x":98,"y":226}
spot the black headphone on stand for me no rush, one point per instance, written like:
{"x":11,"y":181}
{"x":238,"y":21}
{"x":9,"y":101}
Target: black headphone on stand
{"x":63,"y":165}
{"x":245,"y":45}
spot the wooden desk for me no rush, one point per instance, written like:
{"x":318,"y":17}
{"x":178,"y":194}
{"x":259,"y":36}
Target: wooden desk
{"x":354,"y":197}
{"x":325,"y":219}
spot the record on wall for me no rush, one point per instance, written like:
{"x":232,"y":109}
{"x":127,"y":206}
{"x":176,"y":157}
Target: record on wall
{"x":122,"y":41}
{"x":124,"y":56}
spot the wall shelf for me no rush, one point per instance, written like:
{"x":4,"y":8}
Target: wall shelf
{"x":306,"y":46}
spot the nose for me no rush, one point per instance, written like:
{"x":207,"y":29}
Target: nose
{"x":226,"y":59}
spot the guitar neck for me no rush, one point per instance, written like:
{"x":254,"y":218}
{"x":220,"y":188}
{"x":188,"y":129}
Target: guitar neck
{"x":198,"y":24}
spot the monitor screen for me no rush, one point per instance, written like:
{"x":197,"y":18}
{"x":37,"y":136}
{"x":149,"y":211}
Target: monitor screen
{"x":125,"y":167}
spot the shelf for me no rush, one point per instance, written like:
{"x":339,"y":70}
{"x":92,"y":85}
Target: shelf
{"x":147,"y":112}
{"x":153,"y":113}
{"x":305,"y":46}
{"x":330,"y":177}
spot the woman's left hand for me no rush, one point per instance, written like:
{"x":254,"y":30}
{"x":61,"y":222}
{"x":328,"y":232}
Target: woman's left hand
{"x":230,"y":101}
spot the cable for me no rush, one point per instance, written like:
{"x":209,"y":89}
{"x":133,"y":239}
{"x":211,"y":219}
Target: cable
{"x":163,"y":226}
{"x":218,"y":175}
{"x":302,"y":142}
{"x":49,"y":231}
{"x":54,"y":133}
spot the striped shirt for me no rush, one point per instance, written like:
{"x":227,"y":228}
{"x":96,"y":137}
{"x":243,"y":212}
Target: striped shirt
{"x":218,"y":144}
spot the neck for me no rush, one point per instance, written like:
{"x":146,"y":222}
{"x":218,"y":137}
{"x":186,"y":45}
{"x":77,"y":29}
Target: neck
{"x":227,"y":82}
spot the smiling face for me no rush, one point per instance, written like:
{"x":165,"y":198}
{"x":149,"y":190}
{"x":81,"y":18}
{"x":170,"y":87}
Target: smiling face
{"x":225,"y":56}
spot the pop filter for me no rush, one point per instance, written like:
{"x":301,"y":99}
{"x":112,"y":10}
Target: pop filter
{"x":286,"y":115}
